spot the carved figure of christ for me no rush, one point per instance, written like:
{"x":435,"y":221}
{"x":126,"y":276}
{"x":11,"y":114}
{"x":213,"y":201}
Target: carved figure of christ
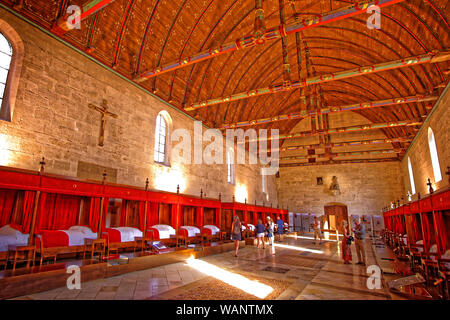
{"x":104,"y":112}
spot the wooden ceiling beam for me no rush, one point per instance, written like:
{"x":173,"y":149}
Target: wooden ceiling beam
{"x":390,"y":65}
{"x":269,"y":35}
{"x":363,"y":127}
{"x":311,"y":113}
{"x":286,"y":165}
{"x":343,"y":154}
{"x":343,"y":144}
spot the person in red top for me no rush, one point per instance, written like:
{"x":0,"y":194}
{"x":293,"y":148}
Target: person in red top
{"x":346,"y":244}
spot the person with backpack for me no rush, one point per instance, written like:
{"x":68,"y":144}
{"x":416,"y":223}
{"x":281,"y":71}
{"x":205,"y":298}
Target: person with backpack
{"x":236,"y":227}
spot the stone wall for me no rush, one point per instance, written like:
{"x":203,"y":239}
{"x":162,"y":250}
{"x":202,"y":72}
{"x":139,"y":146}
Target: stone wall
{"x":52,"y":119}
{"x":365,"y":188}
{"x":419,"y":151}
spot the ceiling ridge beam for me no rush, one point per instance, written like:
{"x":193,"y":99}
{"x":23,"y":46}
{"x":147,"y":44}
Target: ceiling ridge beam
{"x":330,"y":109}
{"x":285,"y":165}
{"x":343,"y":144}
{"x":363,"y":127}
{"x":343,"y":154}
{"x":269,"y":35}
{"x":432,"y":57}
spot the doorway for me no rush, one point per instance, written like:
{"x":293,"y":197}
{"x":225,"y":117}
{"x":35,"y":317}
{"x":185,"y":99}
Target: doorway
{"x":335,"y":213}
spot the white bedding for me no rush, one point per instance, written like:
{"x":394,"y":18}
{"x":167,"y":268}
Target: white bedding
{"x":250,"y":227}
{"x":421,"y":248}
{"x":127,"y":234}
{"x":77,"y":234}
{"x":214,"y":229}
{"x":10,"y":236}
{"x":165,"y":231}
{"x":192,"y":231}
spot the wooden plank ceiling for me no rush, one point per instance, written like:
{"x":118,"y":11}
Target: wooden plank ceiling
{"x":136,"y":36}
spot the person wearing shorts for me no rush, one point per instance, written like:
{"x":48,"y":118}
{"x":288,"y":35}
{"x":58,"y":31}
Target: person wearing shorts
{"x":260,"y":234}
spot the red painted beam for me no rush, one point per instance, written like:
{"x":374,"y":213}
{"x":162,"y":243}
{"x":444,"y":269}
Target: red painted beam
{"x":363,"y":70}
{"x":322,"y":163}
{"x":312,"y":113}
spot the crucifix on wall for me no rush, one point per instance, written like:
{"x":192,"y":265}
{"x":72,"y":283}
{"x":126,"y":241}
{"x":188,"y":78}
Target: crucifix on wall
{"x":104,"y":112}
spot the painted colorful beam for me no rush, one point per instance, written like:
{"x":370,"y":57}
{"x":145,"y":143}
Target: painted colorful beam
{"x":342,"y":144}
{"x":311,"y":113}
{"x":322,"y":163}
{"x":432,"y":57}
{"x":363,"y":127}
{"x":61,"y":27}
{"x":269,"y":35}
{"x":343,"y":154}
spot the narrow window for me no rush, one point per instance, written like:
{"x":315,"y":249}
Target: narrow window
{"x":230,"y":167}
{"x":161,"y":138}
{"x":6,"y":53}
{"x":411,"y":177}
{"x":434,"y":156}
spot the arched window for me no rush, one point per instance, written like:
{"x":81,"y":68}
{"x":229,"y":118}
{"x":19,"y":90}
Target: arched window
{"x":162,"y":138}
{"x":6,"y":53}
{"x":434,"y":156}
{"x":411,"y":177}
{"x":230,"y":166}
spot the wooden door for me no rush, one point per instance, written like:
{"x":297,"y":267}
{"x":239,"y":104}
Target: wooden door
{"x":340,"y":214}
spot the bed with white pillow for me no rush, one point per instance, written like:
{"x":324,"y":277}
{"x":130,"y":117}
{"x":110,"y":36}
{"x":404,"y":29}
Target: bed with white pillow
{"x":11,"y":236}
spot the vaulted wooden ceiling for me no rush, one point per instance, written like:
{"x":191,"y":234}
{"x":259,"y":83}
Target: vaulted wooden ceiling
{"x":135,"y":36}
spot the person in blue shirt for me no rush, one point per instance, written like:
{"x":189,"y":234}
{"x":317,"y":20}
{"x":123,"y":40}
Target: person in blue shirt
{"x":260,"y":234}
{"x":280,"y":224}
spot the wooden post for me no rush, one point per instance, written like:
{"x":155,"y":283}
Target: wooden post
{"x":144,"y":232}
{"x":100,"y":222}
{"x":33,"y":218}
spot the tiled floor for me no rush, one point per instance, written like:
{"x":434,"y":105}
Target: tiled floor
{"x":315,"y":274}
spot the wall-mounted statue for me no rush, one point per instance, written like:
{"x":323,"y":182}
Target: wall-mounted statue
{"x":334,"y":188}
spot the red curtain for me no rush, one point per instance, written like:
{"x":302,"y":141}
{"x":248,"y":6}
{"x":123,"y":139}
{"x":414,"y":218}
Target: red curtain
{"x":218,"y":217}
{"x":441,"y":236}
{"x":415,"y":225}
{"x":426,"y":231}
{"x":7,"y":199}
{"x":57,"y":211}
{"x":174,"y":216}
{"x":94,"y":213}
{"x":123,"y":213}
{"x":154,"y":213}
{"x":28,"y":206}
{"x":142,"y":215}
{"x":200,"y":212}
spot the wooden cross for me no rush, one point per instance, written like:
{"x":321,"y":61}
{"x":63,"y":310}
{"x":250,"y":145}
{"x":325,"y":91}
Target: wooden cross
{"x":104,"y":112}
{"x":430,"y":186}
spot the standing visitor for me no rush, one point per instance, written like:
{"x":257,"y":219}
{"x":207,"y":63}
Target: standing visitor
{"x":346,"y":243}
{"x":359,"y":232}
{"x":260,"y":234}
{"x":317,"y":233}
{"x":236,"y":234}
{"x":280,"y":225}
{"x":270,"y":227}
